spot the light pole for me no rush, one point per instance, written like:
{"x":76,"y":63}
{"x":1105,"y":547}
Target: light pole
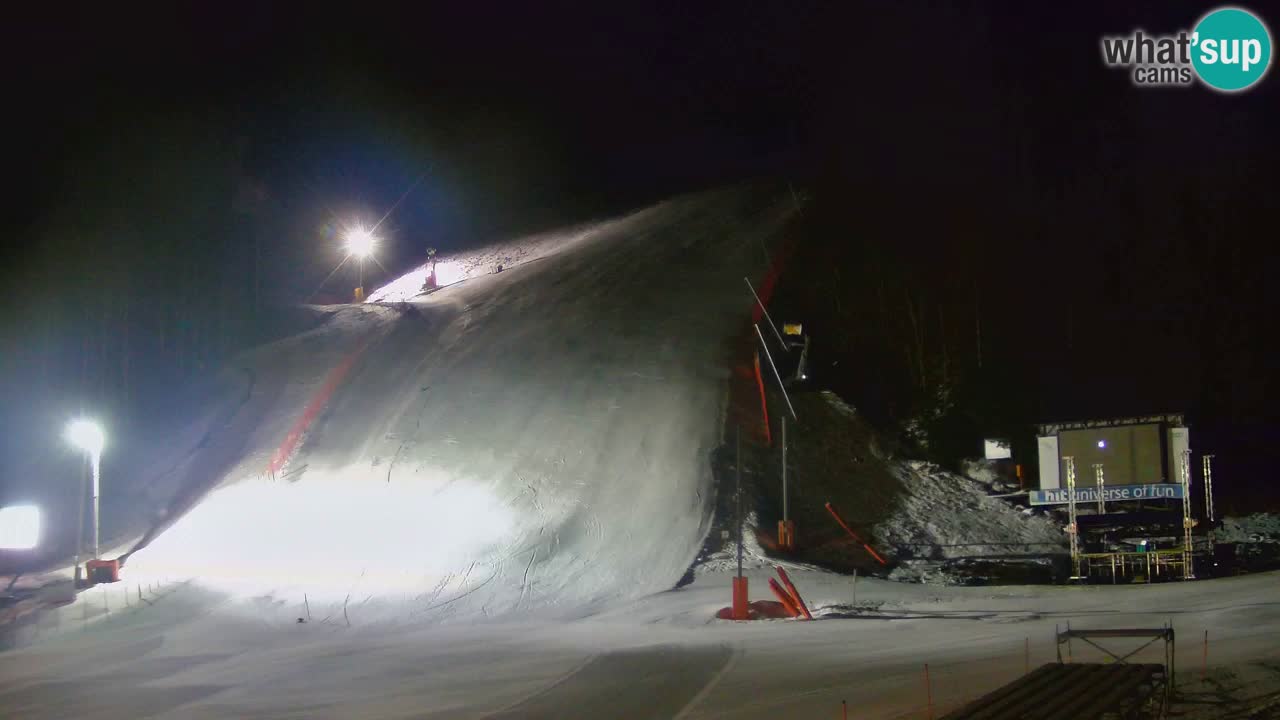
{"x":87,"y":435}
{"x":360,"y":244}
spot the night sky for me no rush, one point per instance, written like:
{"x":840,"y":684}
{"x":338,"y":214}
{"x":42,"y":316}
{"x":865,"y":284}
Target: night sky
{"x":1117,"y":239}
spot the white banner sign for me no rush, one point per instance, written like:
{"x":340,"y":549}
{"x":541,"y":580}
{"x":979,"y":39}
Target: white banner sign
{"x":1112,"y":493}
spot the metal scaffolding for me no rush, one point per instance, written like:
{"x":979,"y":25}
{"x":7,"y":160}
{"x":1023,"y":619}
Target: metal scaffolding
{"x":1073,"y":530}
{"x":1188,"y":572}
{"x":1102,"y":486}
{"x":1207,"y":462}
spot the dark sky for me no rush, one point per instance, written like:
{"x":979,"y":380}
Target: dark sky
{"x":1125,"y":233}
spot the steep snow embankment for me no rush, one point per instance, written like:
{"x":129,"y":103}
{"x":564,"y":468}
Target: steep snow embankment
{"x":536,"y":440}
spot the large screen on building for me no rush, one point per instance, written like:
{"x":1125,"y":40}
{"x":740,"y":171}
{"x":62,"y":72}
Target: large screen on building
{"x":1129,"y":454}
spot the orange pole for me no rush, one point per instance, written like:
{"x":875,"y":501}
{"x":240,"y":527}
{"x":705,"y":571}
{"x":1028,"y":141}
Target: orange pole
{"x":791,"y":588}
{"x":786,"y":535}
{"x":764,"y":404}
{"x":854,"y":535}
{"x":844,"y":709}
{"x":784,"y":597}
{"x":740,"y":608}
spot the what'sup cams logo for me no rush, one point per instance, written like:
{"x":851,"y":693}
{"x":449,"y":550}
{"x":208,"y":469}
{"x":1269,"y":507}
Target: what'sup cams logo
{"x":1229,"y":50}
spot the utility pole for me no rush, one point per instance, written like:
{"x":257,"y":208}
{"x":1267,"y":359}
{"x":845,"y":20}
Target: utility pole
{"x":785,"y":514}
{"x":737,"y":469}
{"x":96,"y":460}
{"x":786,"y":528}
{"x":740,"y":607}
{"x":84,"y":482}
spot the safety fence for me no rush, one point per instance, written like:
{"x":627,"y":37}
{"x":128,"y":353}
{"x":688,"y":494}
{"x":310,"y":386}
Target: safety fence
{"x":95,"y":605}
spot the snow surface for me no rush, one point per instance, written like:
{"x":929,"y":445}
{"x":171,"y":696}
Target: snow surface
{"x":534,"y":441}
{"x":487,"y":519}
{"x":464,"y":265}
{"x":1251,"y":529}
{"x":194,"y":653}
{"x":945,"y":516}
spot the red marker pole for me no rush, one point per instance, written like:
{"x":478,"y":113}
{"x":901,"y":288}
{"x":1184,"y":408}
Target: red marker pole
{"x":853,"y":534}
{"x":784,"y":597}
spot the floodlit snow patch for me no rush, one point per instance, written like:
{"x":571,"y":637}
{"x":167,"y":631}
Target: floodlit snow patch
{"x":487,"y":260}
{"x":326,"y":534}
{"x":19,"y":527}
{"x":946,"y":516}
{"x":449,"y":272}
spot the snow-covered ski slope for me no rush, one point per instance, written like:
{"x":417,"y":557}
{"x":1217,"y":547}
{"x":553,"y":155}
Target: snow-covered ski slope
{"x":535,"y":440}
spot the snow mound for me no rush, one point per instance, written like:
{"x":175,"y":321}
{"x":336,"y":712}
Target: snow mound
{"x":944,"y":517}
{"x":985,"y":472}
{"x":1256,"y":528}
{"x":531,"y":441}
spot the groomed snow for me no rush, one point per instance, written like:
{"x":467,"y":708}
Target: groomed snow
{"x":196,"y":654}
{"x":534,"y":441}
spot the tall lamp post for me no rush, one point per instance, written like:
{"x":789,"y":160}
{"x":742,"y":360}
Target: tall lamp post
{"x":360,"y":244}
{"x":87,"y":435}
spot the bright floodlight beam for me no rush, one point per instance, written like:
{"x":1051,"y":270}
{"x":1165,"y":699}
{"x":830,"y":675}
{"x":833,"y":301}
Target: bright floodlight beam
{"x":19,"y":527}
{"x":89,"y":437}
{"x":86,"y":435}
{"x":360,"y":242}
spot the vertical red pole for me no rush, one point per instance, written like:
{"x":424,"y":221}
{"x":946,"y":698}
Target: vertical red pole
{"x":1026,"y":656}
{"x":764,"y":404}
{"x":844,"y":710}
{"x":739,"y":598}
{"x":928,"y":690}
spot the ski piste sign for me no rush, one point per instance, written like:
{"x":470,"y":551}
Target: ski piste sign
{"x":1111,"y":493}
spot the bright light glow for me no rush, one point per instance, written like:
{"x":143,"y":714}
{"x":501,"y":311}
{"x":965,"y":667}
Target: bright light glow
{"x":86,"y":435}
{"x":19,"y":527}
{"x":448,"y":273}
{"x":361,"y":242}
{"x":1102,"y":444}
{"x":337,"y":530}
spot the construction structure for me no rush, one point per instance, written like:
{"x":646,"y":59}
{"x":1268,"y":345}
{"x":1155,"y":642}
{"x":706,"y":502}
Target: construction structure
{"x":1112,"y":688}
{"x":1130,"y":515}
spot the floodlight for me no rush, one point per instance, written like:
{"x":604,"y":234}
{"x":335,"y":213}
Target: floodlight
{"x":360,"y":242}
{"x":86,"y":435}
{"x":19,"y":527}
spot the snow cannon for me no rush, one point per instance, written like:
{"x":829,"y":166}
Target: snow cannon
{"x":797,"y":343}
